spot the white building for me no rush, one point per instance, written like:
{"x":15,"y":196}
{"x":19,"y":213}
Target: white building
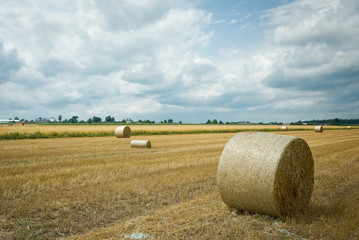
{"x":8,"y":121}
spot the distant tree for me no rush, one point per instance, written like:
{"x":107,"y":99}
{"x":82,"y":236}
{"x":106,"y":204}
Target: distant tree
{"x":74,"y":119}
{"x":335,"y":121}
{"x":180,"y":122}
{"x":16,"y":118}
{"x":220,"y":122}
{"x":214,"y":121}
{"x":123,"y":121}
{"x":170,"y":120}
{"x":82,"y":121}
{"x":59,"y":118}
{"x":208,"y":122}
{"x":109,"y":119}
{"x":96,"y":119}
{"x":140,"y":121}
{"x":165,"y":121}
{"x":89,"y":120}
{"x":65,"y":121}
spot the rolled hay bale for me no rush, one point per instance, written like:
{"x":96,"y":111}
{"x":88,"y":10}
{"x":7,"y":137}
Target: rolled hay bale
{"x":140,"y":144}
{"x":266,"y":173}
{"x":348,"y":127}
{"x":284,"y":128}
{"x":123,"y":132}
{"x":318,"y":128}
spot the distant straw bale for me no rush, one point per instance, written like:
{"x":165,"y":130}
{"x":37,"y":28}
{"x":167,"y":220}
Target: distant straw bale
{"x":284,"y":128}
{"x":266,"y":173}
{"x":123,"y":132}
{"x":140,"y":144}
{"x":318,"y":129}
{"x":348,"y":127}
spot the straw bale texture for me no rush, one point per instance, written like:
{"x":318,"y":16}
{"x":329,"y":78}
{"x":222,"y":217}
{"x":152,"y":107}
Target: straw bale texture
{"x":266,"y":173}
{"x":318,"y":129}
{"x":141,"y":143}
{"x":284,"y":128}
{"x":123,"y":132}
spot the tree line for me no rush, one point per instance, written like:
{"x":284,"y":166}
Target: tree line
{"x":335,"y":121}
{"x":110,"y":119}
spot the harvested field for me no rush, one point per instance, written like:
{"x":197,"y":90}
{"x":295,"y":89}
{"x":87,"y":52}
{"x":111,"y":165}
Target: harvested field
{"x":100,"y":188}
{"x":31,"y":128}
{"x":34,"y":131}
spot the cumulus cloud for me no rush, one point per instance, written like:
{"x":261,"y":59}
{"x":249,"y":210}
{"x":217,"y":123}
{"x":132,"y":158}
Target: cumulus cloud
{"x":92,"y":51}
{"x":151,"y":61}
{"x":315,"y":50}
{"x":9,"y":63}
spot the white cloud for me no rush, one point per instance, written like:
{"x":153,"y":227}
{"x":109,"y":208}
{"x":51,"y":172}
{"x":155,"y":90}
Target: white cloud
{"x":95,"y":51}
{"x":96,"y":111}
{"x":145,"y":105}
{"x":152,"y":59}
{"x":9,"y":63}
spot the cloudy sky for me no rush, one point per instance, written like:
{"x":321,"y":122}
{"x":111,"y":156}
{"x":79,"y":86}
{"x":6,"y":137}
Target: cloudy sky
{"x":269,"y":60}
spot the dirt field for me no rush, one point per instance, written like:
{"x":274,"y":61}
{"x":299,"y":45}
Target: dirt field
{"x":100,"y":188}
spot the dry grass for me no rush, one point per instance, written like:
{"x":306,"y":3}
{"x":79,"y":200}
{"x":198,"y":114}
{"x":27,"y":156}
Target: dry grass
{"x":63,"y":131}
{"x":32,"y":128}
{"x":100,"y":188}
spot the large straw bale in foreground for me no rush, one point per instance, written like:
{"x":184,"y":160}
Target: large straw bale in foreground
{"x":318,"y":128}
{"x":123,"y":132}
{"x":266,"y":173}
{"x":140,"y":144}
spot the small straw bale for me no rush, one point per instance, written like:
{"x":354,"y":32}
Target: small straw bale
{"x":123,"y":132}
{"x":348,"y":127}
{"x":140,"y":144}
{"x":266,"y":173}
{"x":318,"y":129}
{"x":284,"y":128}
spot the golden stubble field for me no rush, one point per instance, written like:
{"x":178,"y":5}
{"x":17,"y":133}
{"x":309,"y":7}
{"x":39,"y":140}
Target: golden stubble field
{"x":100,"y":188}
{"x":31,"y":128}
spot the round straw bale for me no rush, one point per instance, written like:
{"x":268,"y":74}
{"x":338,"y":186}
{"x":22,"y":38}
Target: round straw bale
{"x":141,"y":143}
{"x":266,"y":173}
{"x":123,"y":132}
{"x":348,"y":127}
{"x":284,"y":128}
{"x":318,"y":129}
